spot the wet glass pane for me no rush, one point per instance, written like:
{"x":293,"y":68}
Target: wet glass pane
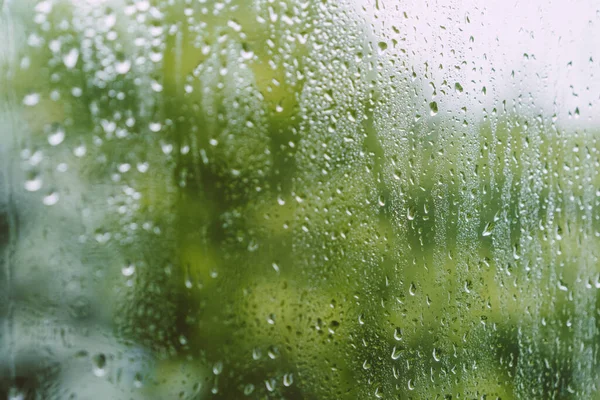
{"x":298,"y":199}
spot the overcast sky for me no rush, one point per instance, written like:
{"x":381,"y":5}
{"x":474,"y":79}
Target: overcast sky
{"x":561,"y":39}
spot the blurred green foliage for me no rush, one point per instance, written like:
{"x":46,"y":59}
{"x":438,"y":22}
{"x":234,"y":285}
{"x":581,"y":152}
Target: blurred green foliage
{"x":308,"y":237}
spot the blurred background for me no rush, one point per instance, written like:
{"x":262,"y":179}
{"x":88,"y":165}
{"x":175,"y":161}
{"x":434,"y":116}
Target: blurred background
{"x":296,"y":199}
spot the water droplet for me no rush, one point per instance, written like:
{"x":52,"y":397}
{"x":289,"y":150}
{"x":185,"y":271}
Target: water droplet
{"x":124,"y":167}
{"x":142,"y":167}
{"x":137,"y":380}
{"x":378,"y":393}
{"x":44,"y":7}
{"x":270,"y":384}
{"x":155,"y":126}
{"x":56,"y":135}
{"x":410,"y":213}
{"x":273,"y":352}
{"x":31,"y":99}
{"x":436,"y":354}
{"x":395,"y":354}
{"x":398,"y":334}
{"x":256,"y":354}
{"x":70,"y":59}
{"x":458,"y":87}
{"x":246,"y":52}
{"x":122,"y":67}
{"x":489,"y":227}
{"x":15,"y":394}
{"x":288,"y":380}
{"x":433,"y":108}
{"x":99,"y":365}
{"x":563,"y":286}
{"x":248,"y":389}
{"x":412,"y":289}
{"x":51,"y":199}
{"x":128,"y":270}
{"x":80,"y":151}
{"x":33,"y":184}
{"x":217,"y":368}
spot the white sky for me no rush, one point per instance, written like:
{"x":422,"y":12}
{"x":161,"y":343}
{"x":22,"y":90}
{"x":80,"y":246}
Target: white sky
{"x":553,"y":34}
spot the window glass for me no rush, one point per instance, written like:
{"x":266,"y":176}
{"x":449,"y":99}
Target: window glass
{"x":297,"y":199}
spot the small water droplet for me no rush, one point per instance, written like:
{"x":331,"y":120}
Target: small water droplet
{"x":99,"y":365}
{"x":155,"y":126}
{"x":142,"y":167}
{"x":70,"y":59}
{"x":122,"y":67}
{"x":56,"y":135}
{"x":128,"y":270}
{"x":217,"y":368}
{"x":256,"y":354}
{"x":51,"y":199}
{"x":273,"y":352}
{"x":137,"y":380}
{"x":270,"y":384}
{"x":248,"y":389}
{"x":246,"y":52}
{"x":433,"y":108}
{"x":412,"y":289}
{"x":15,"y":394}
{"x":80,"y":151}
{"x":436,"y":354}
{"x":31,"y":99}
{"x":563,"y":286}
{"x":124,"y":167}
{"x":398,"y":334}
{"x":410,"y":213}
{"x":33,"y":184}
{"x":288,"y":380}
{"x":489,"y":227}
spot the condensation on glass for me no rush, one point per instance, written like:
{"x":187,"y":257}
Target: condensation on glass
{"x":349,"y":199}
